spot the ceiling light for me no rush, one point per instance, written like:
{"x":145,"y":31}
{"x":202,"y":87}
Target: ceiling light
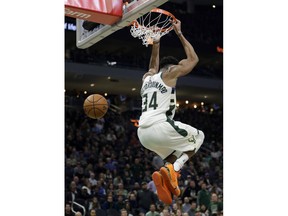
{"x":111,"y":63}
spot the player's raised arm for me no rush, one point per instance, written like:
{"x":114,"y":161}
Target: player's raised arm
{"x":185,"y":66}
{"x":154,"y":59}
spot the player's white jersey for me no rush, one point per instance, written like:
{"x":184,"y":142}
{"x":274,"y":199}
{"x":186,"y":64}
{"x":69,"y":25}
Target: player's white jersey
{"x":158,"y":101}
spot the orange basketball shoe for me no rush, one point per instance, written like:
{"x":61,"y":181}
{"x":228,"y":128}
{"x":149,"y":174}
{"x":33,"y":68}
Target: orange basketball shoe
{"x":162,"y":191}
{"x":170,"y":177}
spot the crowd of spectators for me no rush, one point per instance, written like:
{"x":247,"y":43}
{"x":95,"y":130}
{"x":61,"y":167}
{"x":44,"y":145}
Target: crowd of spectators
{"x":108,"y":172}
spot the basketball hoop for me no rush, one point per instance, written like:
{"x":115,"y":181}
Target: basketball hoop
{"x":155,"y":23}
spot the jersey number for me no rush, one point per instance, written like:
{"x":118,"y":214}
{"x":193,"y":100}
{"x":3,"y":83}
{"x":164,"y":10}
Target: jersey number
{"x":152,"y":103}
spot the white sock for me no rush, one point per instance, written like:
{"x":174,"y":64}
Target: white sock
{"x":178,"y":164}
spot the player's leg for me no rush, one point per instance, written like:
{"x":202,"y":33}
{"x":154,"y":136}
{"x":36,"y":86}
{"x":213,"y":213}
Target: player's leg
{"x":171,"y":170}
{"x":172,"y":158}
{"x":175,"y":161}
{"x":149,"y":140}
{"x":183,"y":158}
{"x":169,"y":140}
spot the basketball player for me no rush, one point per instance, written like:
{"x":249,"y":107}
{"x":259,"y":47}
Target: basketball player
{"x":174,"y":141}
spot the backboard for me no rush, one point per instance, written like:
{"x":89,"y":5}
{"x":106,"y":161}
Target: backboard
{"x":131,"y":12}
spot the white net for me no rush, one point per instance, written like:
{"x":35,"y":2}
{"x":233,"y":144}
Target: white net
{"x":155,"y":23}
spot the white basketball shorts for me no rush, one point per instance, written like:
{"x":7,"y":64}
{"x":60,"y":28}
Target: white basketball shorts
{"x":170,"y":137}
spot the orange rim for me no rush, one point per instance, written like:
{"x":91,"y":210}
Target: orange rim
{"x":158,"y":10}
{"x":167,"y":13}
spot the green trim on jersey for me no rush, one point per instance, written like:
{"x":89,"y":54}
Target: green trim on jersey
{"x":182,"y":132}
{"x":169,"y":112}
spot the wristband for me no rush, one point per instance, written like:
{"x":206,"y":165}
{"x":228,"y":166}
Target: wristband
{"x":179,"y":33}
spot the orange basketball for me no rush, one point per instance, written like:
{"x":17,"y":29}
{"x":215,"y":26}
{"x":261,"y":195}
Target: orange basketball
{"x":95,"y":106}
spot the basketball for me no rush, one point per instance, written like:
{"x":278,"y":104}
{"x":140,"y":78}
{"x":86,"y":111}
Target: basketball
{"x":95,"y":106}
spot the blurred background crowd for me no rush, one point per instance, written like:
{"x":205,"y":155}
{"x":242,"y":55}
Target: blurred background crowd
{"x":107,"y":169}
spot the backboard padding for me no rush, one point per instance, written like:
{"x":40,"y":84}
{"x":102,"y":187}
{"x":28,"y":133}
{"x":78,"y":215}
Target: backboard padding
{"x":132,"y":11}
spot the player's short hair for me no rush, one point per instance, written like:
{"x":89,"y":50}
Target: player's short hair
{"x":167,"y":60}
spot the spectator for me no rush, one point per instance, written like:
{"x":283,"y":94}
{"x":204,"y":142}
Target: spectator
{"x":77,"y":182}
{"x":78,"y":213}
{"x":157,"y":162}
{"x":109,"y":203}
{"x":99,"y":167}
{"x":85,"y":197}
{"x":215,"y":189}
{"x":98,"y":126}
{"x":127,"y":178}
{"x":94,"y":204}
{"x":203,"y":196}
{"x":204,"y":210}
{"x":92,"y":179}
{"x":92,"y":212}
{"x":110,"y":164}
{"x":165,"y":212}
{"x":111,"y":189}
{"x":132,"y":199}
{"x":152,"y":211}
{"x":129,"y":209}
{"x":73,"y":193}
{"x":111,"y":137}
{"x":177,"y":203}
{"x":178,"y":212}
{"x":215,"y":207}
{"x":175,"y":207}
{"x":145,"y":198}
{"x":78,"y":170}
{"x":117,"y":180}
{"x":187,"y":180}
{"x":100,"y":190}
{"x":137,"y":169}
{"x":136,"y":187}
{"x":192,"y":210}
{"x":120,"y":203}
{"x":190,"y":191}
{"x":124,"y":212}
{"x":68,"y":211}
{"x":151,"y":186}
{"x":207,"y":180}
{"x":121,"y":190}
{"x":186,"y":205}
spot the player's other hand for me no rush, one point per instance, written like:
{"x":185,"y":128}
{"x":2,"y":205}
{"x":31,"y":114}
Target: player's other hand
{"x":177,"y":26}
